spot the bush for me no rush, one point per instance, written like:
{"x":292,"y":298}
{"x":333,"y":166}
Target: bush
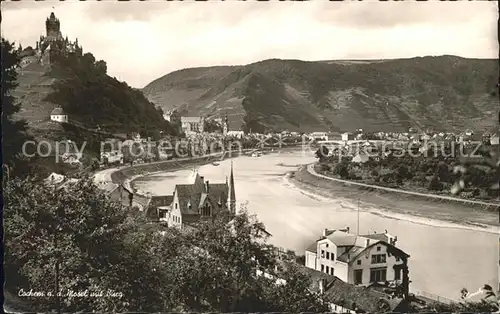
{"x":325,"y":167}
{"x":434,"y":184}
{"x":342,"y":170}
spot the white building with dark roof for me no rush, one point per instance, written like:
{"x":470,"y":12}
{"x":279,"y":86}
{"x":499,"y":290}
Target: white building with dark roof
{"x":357,"y":259}
{"x":58,"y":115}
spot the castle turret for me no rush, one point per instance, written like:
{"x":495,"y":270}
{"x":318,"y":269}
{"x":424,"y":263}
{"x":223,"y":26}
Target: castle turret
{"x":231,"y":199}
{"x":53,"y":26}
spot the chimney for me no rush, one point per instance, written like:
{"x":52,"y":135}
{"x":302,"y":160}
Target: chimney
{"x":325,"y":231}
{"x":208,"y":186}
{"x":202,"y":177}
{"x":347,"y":229}
{"x":367,"y":242}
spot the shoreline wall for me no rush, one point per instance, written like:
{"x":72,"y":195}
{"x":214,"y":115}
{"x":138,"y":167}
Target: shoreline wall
{"x":122,"y":175}
{"x":407,"y":194}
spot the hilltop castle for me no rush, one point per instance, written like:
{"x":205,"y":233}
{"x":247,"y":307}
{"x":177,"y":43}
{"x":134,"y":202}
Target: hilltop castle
{"x":50,"y":46}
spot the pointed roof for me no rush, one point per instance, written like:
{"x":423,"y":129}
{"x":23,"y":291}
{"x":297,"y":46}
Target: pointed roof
{"x":193,"y":176}
{"x":57,"y":111}
{"x":232,"y":193}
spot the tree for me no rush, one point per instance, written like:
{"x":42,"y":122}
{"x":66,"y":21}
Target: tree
{"x":67,"y":231}
{"x":82,"y":241}
{"x":212,"y":126}
{"x":15,"y":131}
{"x":322,"y":153}
{"x":342,"y":170}
{"x":226,"y":260}
{"x":403,"y":172}
{"x":434,"y":184}
{"x":471,"y":171}
{"x":469,"y":307}
{"x":294,"y":296}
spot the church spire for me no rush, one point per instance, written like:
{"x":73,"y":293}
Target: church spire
{"x":231,"y":200}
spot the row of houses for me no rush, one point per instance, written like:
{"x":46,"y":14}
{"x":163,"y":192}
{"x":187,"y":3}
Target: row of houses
{"x":491,"y":138}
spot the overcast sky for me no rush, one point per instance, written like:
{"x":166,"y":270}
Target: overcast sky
{"x":141,"y":41}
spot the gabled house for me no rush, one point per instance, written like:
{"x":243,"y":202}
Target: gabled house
{"x":358,"y":259}
{"x":160,"y":209}
{"x":195,"y":201}
{"x":343,"y":297}
{"x":122,"y":194}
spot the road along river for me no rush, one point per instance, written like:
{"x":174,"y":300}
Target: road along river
{"x":445,"y":256}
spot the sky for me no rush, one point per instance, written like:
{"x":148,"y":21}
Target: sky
{"x":142,"y":41}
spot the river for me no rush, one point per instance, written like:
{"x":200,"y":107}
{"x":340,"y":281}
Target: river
{"x":445,"y":257}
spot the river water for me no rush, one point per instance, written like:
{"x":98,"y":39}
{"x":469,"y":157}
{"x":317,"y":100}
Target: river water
{"x":444,"y":257}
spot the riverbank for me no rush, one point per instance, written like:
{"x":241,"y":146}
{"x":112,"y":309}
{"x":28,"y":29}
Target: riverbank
{"x":396,"y":203}
{"x":126,"y":175}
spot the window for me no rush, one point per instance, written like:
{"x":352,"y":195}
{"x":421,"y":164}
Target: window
{"x":327,"y":255}
{"x":322,"y":253}
{"x":358,"y":276}
{"x":358,"y":262}
{"x":378,"y":248}
{"x":397,"y":259}
{"x":378,"y":258}
{"x":327,"y":269}
{"x":378,"y":274}
{"x":332,"y":257}
{"x":331,"y":271}
{"x":322,"y":268}
{"x":397,"y":274}
{"x":327,"y":245}
{"x":175,"y":205}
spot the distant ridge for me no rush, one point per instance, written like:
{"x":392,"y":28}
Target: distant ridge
{"x":439,"y":92}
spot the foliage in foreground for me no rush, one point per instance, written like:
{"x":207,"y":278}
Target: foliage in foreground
{"x":14,"y":129}
{"x":469,"y":307}
{"x":100,"y":248}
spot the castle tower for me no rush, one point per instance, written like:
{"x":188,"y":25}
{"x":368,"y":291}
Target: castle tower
{"x":231,"y":199}
{"x":53,"y":27}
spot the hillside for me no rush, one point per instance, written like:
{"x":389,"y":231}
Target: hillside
{"x":443,"y":93}
{"x":80,"y":85}
{"x":33,"y":87}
